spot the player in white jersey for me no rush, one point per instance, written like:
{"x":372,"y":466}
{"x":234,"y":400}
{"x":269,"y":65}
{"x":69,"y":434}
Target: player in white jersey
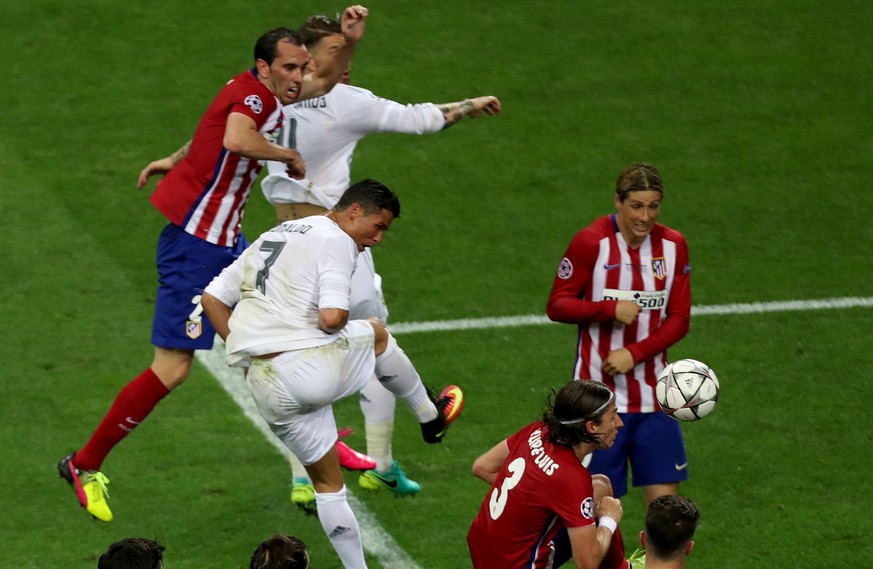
{"x":283,"y":309}
{"x":325,"y":131}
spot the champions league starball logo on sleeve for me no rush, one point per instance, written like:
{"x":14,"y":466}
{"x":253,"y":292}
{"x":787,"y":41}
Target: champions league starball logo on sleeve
{"x":587,"y":508}
{"x":565,"y":269}
{"x":254,"y":103}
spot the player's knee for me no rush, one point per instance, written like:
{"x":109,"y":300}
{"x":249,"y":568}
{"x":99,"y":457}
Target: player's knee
{"x":602,"y":486}
{"x":172,"y":366}
{"x":174,"y":377}
{"x":381,"y":335}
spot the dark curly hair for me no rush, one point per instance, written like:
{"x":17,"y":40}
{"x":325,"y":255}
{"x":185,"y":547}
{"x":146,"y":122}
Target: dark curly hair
{"x":571,"y":407}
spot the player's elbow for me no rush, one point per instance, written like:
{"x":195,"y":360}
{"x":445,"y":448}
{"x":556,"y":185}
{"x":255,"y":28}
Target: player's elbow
{"x":478,"y":470}
{"x":332,"y":320}
{"x":550,"y":311}
{"x":483,"y":471}
{"x":233,"y":143}
{"x":554,"y":311}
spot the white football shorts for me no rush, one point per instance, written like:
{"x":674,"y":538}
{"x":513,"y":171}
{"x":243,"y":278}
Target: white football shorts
{"x":294,"y":390}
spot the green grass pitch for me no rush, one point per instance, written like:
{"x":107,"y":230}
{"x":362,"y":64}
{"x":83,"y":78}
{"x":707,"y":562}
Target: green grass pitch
{"x":757,"y":114}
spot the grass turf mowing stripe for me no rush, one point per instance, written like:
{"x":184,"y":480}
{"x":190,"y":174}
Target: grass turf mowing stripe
{"x":714,"y":309}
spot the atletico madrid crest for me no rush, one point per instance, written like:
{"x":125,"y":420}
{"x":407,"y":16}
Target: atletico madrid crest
{"x":659,"y":268}
{"x":193,"y":329}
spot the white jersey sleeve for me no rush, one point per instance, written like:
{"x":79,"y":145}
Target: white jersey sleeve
{"x":326,"y":130}
{"x":363,"y":113}
{"x":226,"y":286}
{"x":334,"y":275}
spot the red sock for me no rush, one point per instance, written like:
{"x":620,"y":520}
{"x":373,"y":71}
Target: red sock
{"x":615,"y":554}
{"x":131,"y":407}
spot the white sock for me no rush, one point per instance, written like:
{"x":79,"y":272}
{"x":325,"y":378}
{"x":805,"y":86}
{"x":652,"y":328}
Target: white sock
{"x":379,"y":444}
{"x":377,"y":405}
{"x":341,"y":527}
{"x":298,"y":471}
{"x":398,"y":375}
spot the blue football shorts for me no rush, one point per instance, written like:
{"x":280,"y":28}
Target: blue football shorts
{"x":186,"y":266}
{"x":652,"y":444}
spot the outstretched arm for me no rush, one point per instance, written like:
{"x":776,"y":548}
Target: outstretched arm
{"x":162,"y":166}
{"x":323,"y":79}
{"x":473,"y":108}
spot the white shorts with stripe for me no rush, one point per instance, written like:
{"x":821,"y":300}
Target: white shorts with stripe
{"x":294,"y":391}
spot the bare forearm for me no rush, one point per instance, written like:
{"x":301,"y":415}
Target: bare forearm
{"x":604,"y":539}
{"x":218,"y":314}
{"x":473,"y":108}
{"x":259,"y":148}
{"x":454,"y":112}
{"x":177,"y":156}
{"x":488,"y":465}
{"x":163,"y":165}
{"x":242,"y":137}
{"x":328,"y":74}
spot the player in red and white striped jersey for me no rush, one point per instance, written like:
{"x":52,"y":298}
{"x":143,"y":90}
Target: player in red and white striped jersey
{"x":541,"y":493}
{"x":624,"y":280}
{"x":203,"y":196}
{"x":206,"y":191}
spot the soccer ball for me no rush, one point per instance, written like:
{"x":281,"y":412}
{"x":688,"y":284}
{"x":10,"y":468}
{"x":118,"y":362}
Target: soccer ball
{"x":687,"y":390}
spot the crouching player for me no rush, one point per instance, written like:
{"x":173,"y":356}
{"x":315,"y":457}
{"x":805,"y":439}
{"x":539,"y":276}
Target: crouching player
{"x":539,"y":488}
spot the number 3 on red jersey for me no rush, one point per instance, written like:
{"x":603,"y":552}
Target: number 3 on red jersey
{"x":500,"y":495}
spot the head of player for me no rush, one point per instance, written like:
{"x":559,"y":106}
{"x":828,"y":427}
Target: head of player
{"x":670,"y":525}
{"x":365,"y":212}
{"x":638,"y":193}
{"x":322,"y":36}
{"x":583,"y":415}
{"x":133,"y":553}
{"x":280,"y":552}
{"x":281,"y":61}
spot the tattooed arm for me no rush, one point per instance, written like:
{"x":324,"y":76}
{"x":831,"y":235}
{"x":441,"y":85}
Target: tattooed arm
{"x":473,"y":108}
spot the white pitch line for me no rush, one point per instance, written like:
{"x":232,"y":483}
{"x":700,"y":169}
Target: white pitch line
{"x":713,"y":309}
{"x":376,"y":540}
